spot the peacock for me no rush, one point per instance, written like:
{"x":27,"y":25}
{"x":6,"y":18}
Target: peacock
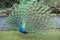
{"x":31,"y":16}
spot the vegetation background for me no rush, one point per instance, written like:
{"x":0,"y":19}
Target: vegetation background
{"x":16,"y":35}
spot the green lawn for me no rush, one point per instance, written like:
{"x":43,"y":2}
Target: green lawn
{"x":16,"y":35}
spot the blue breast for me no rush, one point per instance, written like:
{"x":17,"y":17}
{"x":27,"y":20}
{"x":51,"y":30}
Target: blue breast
{"x":21,"y":28}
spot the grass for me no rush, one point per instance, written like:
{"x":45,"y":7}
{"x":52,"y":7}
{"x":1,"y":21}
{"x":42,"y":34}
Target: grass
{"x":16,"y":35}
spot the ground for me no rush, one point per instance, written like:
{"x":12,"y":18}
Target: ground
{"x":16,"y":35}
